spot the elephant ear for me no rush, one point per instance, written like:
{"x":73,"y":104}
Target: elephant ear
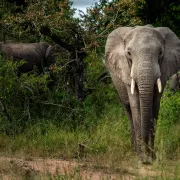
{"x":49,"y":51}
{"x":115,"y":59}
{"x":49,"y":55}
{"x":171,"y":59}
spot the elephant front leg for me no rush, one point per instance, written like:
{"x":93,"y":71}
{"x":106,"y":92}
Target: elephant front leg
{"x":136,"y":117}
{"x":132,"y":133}
{"x":156,"y":107}
{"x":137,"y":129}
{"x":136,"y":120}
{"x":125,"y":101}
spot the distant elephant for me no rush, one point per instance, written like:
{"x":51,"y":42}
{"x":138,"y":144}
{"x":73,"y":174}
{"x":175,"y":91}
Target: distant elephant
{"x":175,"y":82}
{"x":140,"y":60}
{"x":39,"y":54}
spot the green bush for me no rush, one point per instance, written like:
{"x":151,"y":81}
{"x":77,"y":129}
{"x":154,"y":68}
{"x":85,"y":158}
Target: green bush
{"x":31,"y":98}
{"x":168,"y":134}
{"x":20,"y":95}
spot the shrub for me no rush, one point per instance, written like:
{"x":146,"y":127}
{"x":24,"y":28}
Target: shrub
{"x":168,"y":134}
{"x":20,"y":95}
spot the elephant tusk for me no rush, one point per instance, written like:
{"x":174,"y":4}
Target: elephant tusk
{"x":159,"y":85}
{"x":132,"y":86}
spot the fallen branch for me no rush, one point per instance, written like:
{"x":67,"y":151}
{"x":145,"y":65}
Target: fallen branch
{"x":59,"y":105}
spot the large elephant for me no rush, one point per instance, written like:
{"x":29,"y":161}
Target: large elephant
{"x":140,"y":60}
{"x":39,"y":54}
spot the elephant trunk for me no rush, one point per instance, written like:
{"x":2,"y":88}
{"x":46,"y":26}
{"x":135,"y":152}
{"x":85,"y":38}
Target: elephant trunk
{"x":146,"y":82}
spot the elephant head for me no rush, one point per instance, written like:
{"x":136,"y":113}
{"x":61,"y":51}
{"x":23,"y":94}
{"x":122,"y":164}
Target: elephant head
{"x":140,"y":60}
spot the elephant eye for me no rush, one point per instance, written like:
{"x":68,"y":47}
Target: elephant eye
{"x":160,"y":53}
{"x":129,"y":54}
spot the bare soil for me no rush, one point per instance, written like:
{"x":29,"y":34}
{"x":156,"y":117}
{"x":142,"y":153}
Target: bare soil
{"x":16,"y":168}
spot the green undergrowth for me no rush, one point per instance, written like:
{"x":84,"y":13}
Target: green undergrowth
{"x":107,"y":143}
{"x":110,"y":139}
{"x":50,"y":122}
{"x":168,"y":127}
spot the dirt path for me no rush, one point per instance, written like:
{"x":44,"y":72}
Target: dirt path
{"x":33,"y":167}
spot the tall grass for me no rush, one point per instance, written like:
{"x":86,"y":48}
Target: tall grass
{"x":109,"y":138}
{"x":168,"y":133}
{"x":52,"y":123}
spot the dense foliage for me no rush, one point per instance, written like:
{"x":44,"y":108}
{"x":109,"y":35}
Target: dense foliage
{"x":79,"y":91}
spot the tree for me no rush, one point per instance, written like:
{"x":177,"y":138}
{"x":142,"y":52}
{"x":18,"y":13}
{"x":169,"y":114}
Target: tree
{"x":161,"y":13}
{"x":49,"y":20}
{"x":105,"y":16}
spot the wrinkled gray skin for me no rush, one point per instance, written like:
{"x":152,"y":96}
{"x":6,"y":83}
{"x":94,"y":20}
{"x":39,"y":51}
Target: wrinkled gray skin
{"x":141,"y":55}
{"x":39,"y":54}
{"x":175,"y":82}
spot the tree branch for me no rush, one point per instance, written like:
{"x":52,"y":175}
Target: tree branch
{"x":46,"y":31}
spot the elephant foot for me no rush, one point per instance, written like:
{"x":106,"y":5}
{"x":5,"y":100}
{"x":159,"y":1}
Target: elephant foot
{"x":146,"y":159}
{"x":154,"y":156}
{"x":133,"y":146}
